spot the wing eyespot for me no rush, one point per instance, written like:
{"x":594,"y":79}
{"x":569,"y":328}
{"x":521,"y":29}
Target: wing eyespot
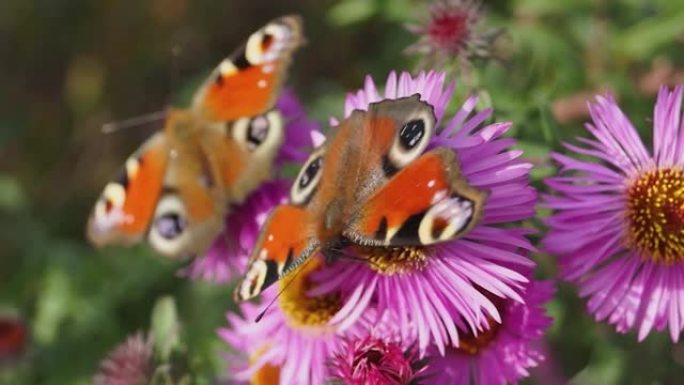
{"x":259,"y":132}
{"x":412,"y":139}
{"x":168,"y":230}
{"x":307,"y":179}
{"x":170,"y":225}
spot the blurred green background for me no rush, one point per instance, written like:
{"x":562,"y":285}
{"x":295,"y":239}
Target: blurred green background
{"x":68,"y":66}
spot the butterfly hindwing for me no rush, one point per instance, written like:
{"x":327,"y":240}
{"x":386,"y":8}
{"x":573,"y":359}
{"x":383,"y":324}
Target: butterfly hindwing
{"x":424,"y":203}
{"x":247,"y":83}
{"x":283,"y":240}
{"x":189,"y":212}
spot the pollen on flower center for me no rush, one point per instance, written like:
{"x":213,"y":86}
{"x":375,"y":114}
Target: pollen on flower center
{"x":301,"y":309}
{"x":655,"y":215}
{"x":394,"y":260}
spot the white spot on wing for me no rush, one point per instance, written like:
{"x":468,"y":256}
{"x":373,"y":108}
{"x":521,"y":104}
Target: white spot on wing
{"x":132,"y":168}
{"x":254,"y":280}
{"x":253,"y":50}
{"x":267,"y":68}
{"x":115,"y":194}
{"x":227,"y":68}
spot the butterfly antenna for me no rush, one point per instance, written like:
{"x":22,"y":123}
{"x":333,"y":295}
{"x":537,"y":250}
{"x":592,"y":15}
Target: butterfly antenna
{"x":282,"y":290}
{"x":111,"y":127}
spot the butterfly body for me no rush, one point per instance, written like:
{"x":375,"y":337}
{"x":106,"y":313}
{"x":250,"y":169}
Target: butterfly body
{"x":176,"y":189}
{"x":373,"y":184}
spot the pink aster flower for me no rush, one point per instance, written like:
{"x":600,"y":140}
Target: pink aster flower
{"x":374,"y":361}
{"x":426,"y":287}
{"x":230,"y":250}
{"x":619,"y":223}
{"x":294,"y":341}
{"x":130,"y":363}
{"x":504,"y":353}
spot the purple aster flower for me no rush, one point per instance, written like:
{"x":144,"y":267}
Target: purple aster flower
{"x":453,"y":30}
{"x":619,"y":223}
{"x":294,"y":340}
{"x":502,"y":354}
{"x":426,"y":286}
{"x":230,"y":250}
{"x":130,"y":363}
{"x":374,"y":361}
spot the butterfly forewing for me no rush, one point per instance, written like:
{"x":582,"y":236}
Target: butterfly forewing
{"x":248,"y":81}
{"x":127,"y":203}
{"x":282,"y":241}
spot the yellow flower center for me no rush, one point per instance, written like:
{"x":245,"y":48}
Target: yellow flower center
{"x":394,"y":260}
{"x":300,"y":309}
{"x":656,"y":215}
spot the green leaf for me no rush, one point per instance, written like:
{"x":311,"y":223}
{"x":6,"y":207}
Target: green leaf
{"x":53,"y":306}
{"x":644,"y":38}
{"x":11,"y":194}
{"x":352,"y":11}
{"x":165,"y":327}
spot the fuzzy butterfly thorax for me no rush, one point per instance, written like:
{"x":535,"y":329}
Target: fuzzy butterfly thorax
{"x":375,"y":186}
{"x":177,"y":188}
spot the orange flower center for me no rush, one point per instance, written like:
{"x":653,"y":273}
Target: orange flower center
{"x":655,"y":215}
{"x":268,"y":374}
{"x":472,"y":344}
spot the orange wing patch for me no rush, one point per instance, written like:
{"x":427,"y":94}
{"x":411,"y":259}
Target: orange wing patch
{"x":143,"y":189}
{"x":282,"y":239}
{"x":426,"y":202}
{"x":125,"y":208}
{"x":247,"y":93}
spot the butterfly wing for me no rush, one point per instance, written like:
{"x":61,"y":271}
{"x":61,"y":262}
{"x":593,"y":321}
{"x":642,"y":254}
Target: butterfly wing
{"x":424,"y":203}
{"x":248,"y":82}
{"x":240,"y":94}
{"x":190,"y":209}
{"x":282,"y":245}
{"x":167,"y":193}
{"x":414,"y":198}
{"x":125,"y":208}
